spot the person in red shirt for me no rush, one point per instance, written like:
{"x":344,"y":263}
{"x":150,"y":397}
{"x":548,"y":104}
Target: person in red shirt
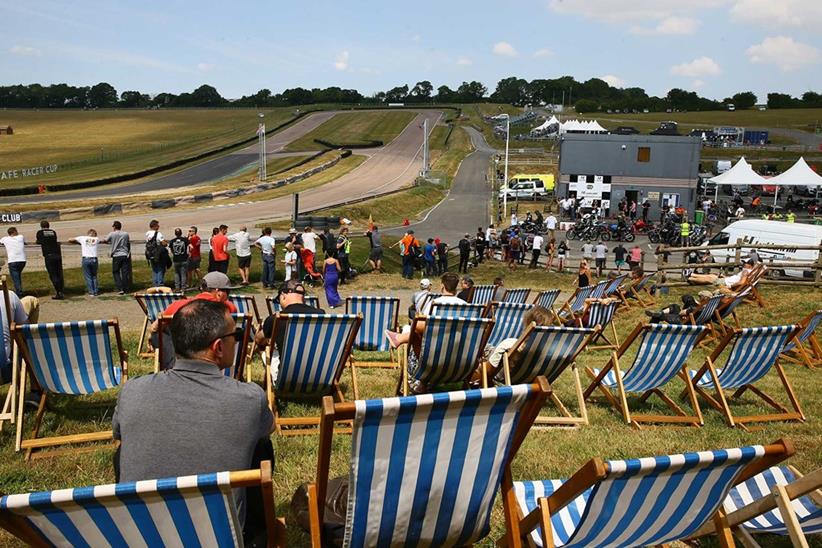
{"x":214,"y":286}
{"x":194,"y":258}
{"x":219,"y":247}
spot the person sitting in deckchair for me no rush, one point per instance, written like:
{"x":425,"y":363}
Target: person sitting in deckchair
{"x":538,"y":315}
{"x":675,"y":314}
{"x":728,"y":284}
{"x":449,"y":281}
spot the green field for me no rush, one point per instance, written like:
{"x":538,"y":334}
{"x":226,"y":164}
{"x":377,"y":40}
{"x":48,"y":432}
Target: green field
{"x":545,"y":454}
{"x":804,"y":119}
{"x":92,"y":144}
{"x":354,"y":128}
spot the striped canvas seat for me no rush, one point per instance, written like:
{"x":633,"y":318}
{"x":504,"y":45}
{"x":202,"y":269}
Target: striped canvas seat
{"x":507,"y":321}
{"x":450,"y":349}
{"x":807,"y":512}
{"x":804,"y":348}
{"x":639,"y":502}
{"x":244,"y":323}
{"x":576,"y":303}
{"x":273,"y":303}
{"x":518,"y":295}
{"x":706,"y":311}
{"x":634,"y":289}
{"x":454,"y":310}
{"x":378,"y":314}
{"x":601,"y":314}
{"x":599,"y":289}
{"x":612,"y":287}
{"x":755,"y":351}
{"x":425,"y":470}
{"x":427,"y":302}
{"x":182,"y":511}
{"x":546,"y":352}
{"x":483,"y":294}
{"x":153,"y":305}
{"x":546,"y":299}
{"x":245,"y":304}
{"x":729,"y":310}
{"x":663,"y":351}
{"x":807,"y":331}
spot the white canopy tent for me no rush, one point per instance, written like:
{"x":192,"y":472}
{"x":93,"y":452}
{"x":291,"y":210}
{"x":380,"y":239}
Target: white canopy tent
{"x":597,"y":128}
{"x":545,"y":125}
{"x":740,"y":174}
{"x":799,"y":174}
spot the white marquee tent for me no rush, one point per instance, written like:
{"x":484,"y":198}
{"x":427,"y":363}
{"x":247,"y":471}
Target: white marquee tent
{"x":740,"y":174}
{"x":799,"y":174}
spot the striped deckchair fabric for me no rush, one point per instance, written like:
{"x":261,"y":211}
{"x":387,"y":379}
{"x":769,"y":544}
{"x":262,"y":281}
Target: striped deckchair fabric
{"x":246,"y":304}
{"x":244,"y":323}
{"x":807,"y":512}
{"x":507,"y":321}
{"x":601,"y":314}
{"x":613,"y":286}
{"x":273,"y":303}
{"x":453,"y":310}
{"x":729,"y":309}
{"x":152,"y":304}
{"x":315,"y":350}
{"x":450,"y":350}
{"x":634,"y":289}
{"x":546,"y":299}
{"x":705,"y":313}
{"x":575,"y":303}
{"x":483,"y":294}
{"x":427,"y":302}
{"x":425,"y":470}
{"x":517,"y":295}
{"x":182,"y":511}
{"x":755,"y":351}
{"x":663,"y":351}
{"x":599,"y":289}
{"x":660,"y":499}
{"x":68,"y":358}
{"x":796,"y":351}
{"x":379,"y":314}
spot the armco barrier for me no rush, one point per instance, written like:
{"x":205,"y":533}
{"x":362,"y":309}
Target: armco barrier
{"x":47,"y":214}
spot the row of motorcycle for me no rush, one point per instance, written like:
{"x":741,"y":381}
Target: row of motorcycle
{"x":668,"y":232}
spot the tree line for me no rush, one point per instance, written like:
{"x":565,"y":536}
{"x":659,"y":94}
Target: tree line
{"x":589,"y":96}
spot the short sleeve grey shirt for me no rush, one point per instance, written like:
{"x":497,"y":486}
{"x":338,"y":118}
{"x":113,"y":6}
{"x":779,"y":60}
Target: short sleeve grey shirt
{"x":120,"y":243}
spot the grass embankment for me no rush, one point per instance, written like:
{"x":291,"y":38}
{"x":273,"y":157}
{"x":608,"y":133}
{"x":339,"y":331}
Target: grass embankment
{"x":93,"y":144}
{"x":545,"y":454}
{"x":352,"y":128}
{"x":804,"y":119}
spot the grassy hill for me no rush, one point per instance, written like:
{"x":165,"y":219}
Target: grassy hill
{"x":355,"y":128}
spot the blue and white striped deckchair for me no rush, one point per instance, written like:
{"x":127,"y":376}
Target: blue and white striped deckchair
{"x":755,"y":351}
{"x":311,"y":362}
{"x":246,"y":304}
{"x":663,"y":351}
{"x":599,"y":289}
{"x":638,"y":502}
{"x":546,"y":299}
{"x":273,"y":303}
{"x":796,"y":498}
{"x":483,"y":294}
{"x":706,"y":311}
{"x":425,"y":470}
{"x":729,"y":309}
{"x":612,"y":289}
{"x":601,"y":314}
{"x":634,"y":289}
{"x":795,"y":350}
{"x":378,"y":314}
{"x":182,"y":511}
{"x":575,"y":304}
{"x":546,"y":351}
{"x":517,"y":295}
{"x":507,"y":321}
{"x":153,"y":304}
{"x":449,"y":351}
{"x":454,"y":310}
{"x":69,"y":358}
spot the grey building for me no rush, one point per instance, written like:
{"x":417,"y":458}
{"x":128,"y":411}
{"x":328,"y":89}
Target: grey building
{"x":660,"y":168}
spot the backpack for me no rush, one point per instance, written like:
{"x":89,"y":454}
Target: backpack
{"x":153,"y":248}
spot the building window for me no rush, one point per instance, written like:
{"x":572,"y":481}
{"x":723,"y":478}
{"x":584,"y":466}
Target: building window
{"x":643,"y":154}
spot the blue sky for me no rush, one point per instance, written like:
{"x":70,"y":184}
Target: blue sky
{"x":715,"y":47}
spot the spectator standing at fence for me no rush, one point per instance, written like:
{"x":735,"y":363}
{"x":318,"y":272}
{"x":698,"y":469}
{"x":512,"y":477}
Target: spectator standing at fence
{"x":296,"y":242}
{"x":194,"y":256}
{"x":588,"y":251}
{"x":179,"y":258}
{"x":514,"y":250}
{"x":551,"y":225}
{"x":562,"y":255}
{"x":490,"y":241}
{"x":329,"y":242}
{"x":46,"y":238}
{"x":465,"y":253}
{"x":685,"y":231}
{"x":551,"y":252}
{"x":211,"y":267}
{"x":266,"y":244}
{"x":156,"y":253}
{"x":409,"y":246}
{"x":15,"y":257}
{"x":290,"y":261}
{"x":343,"y":246}
{"x":120,"y":243}
{"x":619,"y":256}
{"x":442,"y":256}
{"x":309,"y":250}
{"x":601,"y":253}
{"x":219,"y":245}
{"x":375,"y":255}
{"x":428,"y":254}
{"x":635,"y":256}
{"x":90,"y":262}
{"x":536,"y":249}
{"x":242,"y":246}
{"x":479,"y":246}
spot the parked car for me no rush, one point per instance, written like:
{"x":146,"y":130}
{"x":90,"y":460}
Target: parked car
{"x":626,"y":130}
{"x":525,"y":189}
{"x":743,"y":190}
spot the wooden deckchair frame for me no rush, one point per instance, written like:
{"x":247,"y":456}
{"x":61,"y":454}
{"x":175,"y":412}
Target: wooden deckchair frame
{"x":632,"y":291}
{"x":34,"y":442}
{"x":275,"y":527}
{"x":9,"y":410}
{"x":720,"y":402}
{"x":297,"y":426}
{"x":144,"y":330}
{"x":258,"y":321}
{"x":339,"y":412}
{"x":799,"y":354}
{"x":596,"y":470}
{"x":600,"y":335}
{"x":567,"y":306}
{"x":566,"y":418}
{"x":620,"y":402}
{"x":393,"y":359}
{"x":270,"y":299}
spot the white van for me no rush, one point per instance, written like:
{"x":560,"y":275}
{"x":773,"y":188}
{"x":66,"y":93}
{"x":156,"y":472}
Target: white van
{"x":756,"y":231}
{"x":529,"y":189}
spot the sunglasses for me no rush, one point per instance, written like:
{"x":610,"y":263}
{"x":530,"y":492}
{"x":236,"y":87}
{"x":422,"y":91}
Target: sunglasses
{"x":237,"y":335}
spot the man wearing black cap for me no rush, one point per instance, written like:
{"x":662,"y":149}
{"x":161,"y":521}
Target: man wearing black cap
{"x":120,"y":257}
{"x":47,"y":238}
{"x":292,"y":301}
{"x":465,"y":253}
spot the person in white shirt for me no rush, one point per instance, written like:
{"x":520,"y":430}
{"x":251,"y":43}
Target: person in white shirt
{"x":588,"y":251}
{"x":450,"y":281}
{"x":242,"y":244}
{"x":419,"y":298}
{"x":551,"y":225}
{"x":309,"y":250}
{"x":88,"y":247}
{"x":514,"y":220}
{"x":290,"y":261}
{"x":740,"y":213}
{"x":601,"y":254}
{"x":266,"y":245}
{"x":15,"y":246}
{"x":536,"y":248}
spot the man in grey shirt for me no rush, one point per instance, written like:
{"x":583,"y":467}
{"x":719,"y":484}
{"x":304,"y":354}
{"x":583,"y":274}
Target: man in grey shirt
{"x":120,"y":257}
{"x":192,"y":419}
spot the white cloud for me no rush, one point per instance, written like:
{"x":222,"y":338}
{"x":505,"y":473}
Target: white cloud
{"x":341,"y":61}
{"x":669,"y":26}
{"x":205,"y":67}
{"x":784,"y":13}
{"x":702,"y":66}
{"x":784,"y":52}
{"x":25,"y":51}
{"x":464,"y":62}
{"x":612,"y":80}
{"x":542,"y":53}
{"x":619,"y":11}
{"x":696,"y":84}
{"x":504,"y":48}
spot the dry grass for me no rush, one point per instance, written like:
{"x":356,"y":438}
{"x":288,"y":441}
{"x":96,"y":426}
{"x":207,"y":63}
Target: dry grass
{"x":355,"y":128}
